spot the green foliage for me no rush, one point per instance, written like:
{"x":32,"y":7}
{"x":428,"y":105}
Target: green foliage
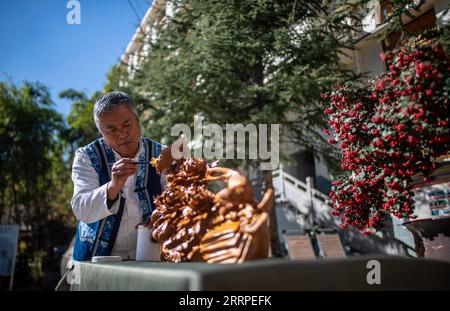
{"x":31,"y":157}
{"x":445,"y":37}
{"x":118,"y":80}
{"x":249,"y":61}
{"x":82,"y":129}
{"x":35,"y":186}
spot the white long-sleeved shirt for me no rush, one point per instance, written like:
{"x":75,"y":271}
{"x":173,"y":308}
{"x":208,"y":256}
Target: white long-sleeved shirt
{"x":89,"y":202}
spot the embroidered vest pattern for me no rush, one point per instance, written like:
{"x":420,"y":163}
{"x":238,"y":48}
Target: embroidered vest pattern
{"x":97,"y":239}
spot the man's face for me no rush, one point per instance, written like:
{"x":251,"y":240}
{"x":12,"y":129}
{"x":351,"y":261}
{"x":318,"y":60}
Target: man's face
{"x":120,"y":129}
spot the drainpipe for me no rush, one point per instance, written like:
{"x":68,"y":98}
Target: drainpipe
{"x":309,"y":190}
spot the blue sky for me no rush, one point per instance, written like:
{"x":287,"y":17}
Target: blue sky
{"x":37,"y":44}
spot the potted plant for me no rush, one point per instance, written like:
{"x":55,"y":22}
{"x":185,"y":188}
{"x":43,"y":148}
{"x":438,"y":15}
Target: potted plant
{"x":389,"y":130}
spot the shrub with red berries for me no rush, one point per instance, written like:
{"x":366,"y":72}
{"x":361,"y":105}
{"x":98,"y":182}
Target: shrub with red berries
{"x":389,"y":130}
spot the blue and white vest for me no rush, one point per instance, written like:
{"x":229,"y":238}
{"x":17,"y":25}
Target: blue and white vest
{"x":98,"y":238}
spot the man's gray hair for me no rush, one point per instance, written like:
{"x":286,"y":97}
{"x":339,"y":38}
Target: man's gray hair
{"x":109,"y":101}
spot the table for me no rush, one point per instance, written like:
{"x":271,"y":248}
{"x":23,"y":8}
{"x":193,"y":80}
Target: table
{"x":396,"y":273}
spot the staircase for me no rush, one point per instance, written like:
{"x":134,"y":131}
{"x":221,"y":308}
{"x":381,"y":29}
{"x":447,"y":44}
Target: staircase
{"x":303,"y":196}
{"x":301,"y":207}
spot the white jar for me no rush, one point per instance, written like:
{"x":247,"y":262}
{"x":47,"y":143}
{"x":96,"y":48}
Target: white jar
{"x":146,"y":249}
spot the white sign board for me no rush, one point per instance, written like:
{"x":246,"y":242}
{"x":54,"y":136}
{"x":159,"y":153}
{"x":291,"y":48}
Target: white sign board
{"x":433,"y":200}
{"x":330,"y":245}
{"x":9,"y":236}
{"x":299,"y":247}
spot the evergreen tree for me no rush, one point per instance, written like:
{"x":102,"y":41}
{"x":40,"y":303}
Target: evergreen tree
{"x":34,"y":183}
{"x":248,"y":61}
{"x":81,"y":126}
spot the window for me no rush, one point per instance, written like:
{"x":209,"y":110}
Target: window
{"x":386,"y":10}
{"x":416,"y":26}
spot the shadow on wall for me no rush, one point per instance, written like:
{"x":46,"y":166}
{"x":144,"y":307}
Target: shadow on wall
{"x":323,"y":184}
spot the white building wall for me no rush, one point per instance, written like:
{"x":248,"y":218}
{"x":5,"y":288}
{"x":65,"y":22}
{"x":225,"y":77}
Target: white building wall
{"x":368,"y":58}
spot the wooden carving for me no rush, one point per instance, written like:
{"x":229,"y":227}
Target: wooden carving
{"x":193,"y":223}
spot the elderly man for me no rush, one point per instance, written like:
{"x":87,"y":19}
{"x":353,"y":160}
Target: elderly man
{"x":114,"y":183}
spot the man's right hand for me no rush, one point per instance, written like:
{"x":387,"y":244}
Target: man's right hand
{"x":120,"y":172}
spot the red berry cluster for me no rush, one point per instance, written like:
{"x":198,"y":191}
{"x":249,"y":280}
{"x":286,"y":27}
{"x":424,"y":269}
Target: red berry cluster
{"x":389,"y":130}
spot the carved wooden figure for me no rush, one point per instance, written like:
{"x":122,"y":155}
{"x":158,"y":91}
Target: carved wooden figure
{"x":193,"y":223}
